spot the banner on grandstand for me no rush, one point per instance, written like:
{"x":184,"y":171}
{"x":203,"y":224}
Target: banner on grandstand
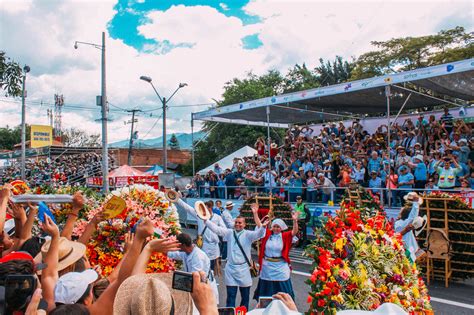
{"x":41,"y":136}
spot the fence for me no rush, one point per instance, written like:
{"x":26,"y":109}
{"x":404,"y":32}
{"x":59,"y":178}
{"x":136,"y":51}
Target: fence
{"x":332,"y":195}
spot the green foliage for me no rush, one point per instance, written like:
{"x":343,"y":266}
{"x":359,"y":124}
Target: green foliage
{"x":408,"y":53}
{"x":10,"y":76}
{"x":11,"y":136}
{"x":336,"y":72}
{"x":173,"y":142}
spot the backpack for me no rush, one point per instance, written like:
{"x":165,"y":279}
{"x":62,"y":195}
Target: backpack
{"x":438,"y":244}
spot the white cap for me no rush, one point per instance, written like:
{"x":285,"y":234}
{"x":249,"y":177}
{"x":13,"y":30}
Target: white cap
{"x":276,"y":307}
{"x":72,"y":286}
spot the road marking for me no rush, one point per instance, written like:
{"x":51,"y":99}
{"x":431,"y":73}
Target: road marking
{"x":434,"y":299}
{"x":469,"y":306}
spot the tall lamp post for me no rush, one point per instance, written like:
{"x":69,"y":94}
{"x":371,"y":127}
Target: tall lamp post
{"x":104,"y":110}
{"x":26,"y":69}
{"x":163,"y":101}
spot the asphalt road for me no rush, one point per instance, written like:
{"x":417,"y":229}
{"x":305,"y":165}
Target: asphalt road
{"x":458,"y":299}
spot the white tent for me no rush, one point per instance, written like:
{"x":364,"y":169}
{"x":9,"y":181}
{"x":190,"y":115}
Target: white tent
{"x":227,"y":161}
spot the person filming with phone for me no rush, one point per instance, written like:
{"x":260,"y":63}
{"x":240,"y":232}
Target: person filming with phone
{"x":239,"y":242}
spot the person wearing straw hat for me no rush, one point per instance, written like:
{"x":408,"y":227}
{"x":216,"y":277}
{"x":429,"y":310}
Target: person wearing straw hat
{"x":210,"y":240}
{"x":274,"y":259}
{"x":404,"y":223}
{"x":239,"y":243}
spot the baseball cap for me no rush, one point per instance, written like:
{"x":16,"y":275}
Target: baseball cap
{"x":72,"y":286}
{"x":22,"y":256}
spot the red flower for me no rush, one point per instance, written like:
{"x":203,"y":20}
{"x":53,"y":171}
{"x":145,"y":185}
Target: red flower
{"x":321,"y":302}
{"x":309,"y":299}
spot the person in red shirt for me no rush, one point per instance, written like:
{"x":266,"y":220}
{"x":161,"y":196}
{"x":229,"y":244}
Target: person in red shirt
{"x":274,"y":259}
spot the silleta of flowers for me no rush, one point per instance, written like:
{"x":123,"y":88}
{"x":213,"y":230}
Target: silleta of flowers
{"x":106,"y":247}
{"x":360,"y":263}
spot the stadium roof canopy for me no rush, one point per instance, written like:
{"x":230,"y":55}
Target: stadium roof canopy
{"x":451,"y":83}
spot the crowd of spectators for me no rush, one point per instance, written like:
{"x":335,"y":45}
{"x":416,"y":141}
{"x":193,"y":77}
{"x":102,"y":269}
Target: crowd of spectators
{"x":62,"y":170}
{"x":49,"y":272}
{"x":425,"y":153}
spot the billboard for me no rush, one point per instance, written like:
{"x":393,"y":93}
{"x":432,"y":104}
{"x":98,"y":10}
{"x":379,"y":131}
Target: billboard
{"x":41,"y":136}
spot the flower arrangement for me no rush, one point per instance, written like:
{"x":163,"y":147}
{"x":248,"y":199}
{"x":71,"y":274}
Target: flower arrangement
{"x":360,"y":263}
{"x":106,"y":247}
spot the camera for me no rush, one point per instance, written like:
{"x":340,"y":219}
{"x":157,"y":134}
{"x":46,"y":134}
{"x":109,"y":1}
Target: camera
{"x":226,"y":310}
{"x":16,"y":293}
{"x":264,"y":301}
{"x":183,"y":281}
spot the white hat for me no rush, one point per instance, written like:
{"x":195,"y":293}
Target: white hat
{"x":229,"y":204}
{"x":72,"y":286}
{"x":419,"y":157}
{"x":326,"y":161}
{"x":410,"y":195}
{"x":276,"y":307}
{"x":280,"y":223}
{"x":419,"y":224}
{"x":188,"y":186}
{"x":384,"y":309}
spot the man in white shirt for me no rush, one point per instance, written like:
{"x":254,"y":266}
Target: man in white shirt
{"x":210,"y":239}
{"x":229,"y":223}
{"x":237,"y":271}
{"x":326,"y":186}
{"x":194,"y":260}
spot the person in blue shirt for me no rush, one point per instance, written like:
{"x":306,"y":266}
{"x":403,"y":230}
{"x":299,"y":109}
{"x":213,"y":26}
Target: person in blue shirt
{"x":405,"y":180}
{"x":420,"y":171}
{"x":375,"y":182}
{"x":375,"y":163}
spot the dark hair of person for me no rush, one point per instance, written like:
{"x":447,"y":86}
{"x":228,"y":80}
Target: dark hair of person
{"x":32,"y":246}
{"x":78,"y":266}
{"x":240,"y":217}
{"x":185,"y":239}
{"x":405,"y":212}
{"x":70,"y":309}
{"x":16,"y":267}
{"x":83,"y":298}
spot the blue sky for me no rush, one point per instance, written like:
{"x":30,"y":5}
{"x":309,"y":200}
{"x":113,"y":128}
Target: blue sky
{"x":203,"y":43}
{"x":131,"y":14}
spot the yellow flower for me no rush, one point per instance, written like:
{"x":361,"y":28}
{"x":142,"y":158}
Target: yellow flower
{"x":416,"y":293}
{"x":340,"y":243}
{"x":381,"y":232}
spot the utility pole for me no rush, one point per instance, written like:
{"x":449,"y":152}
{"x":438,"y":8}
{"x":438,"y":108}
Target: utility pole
{"x":26,"y":69}
{"x":165,"y":142}
{"x":130,"y":146}
{"x":102,"y":102}
{"x":105,"y":149}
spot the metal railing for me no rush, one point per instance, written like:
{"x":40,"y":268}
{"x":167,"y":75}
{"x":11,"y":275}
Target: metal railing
{"x":391,"y":197}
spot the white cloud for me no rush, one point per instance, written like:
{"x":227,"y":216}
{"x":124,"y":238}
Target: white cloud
{"x":291,"y":32}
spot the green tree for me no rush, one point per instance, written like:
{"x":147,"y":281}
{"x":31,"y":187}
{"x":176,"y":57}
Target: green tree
{"x":408,"y":53}
{"x":173,"y":142}
{"x":10,"y":76}
{"x":329,"y":73}
{"x":224,"y":139}
{"x":11,"y":136}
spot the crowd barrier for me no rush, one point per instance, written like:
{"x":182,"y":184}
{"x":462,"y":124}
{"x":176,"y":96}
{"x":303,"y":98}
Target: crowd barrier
{"x":319,"y":208}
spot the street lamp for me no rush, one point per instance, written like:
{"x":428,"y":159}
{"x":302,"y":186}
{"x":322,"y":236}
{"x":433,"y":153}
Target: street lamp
{"x":163,"y":101}
{"x":26,"y":69}
{"x":104,"y":109}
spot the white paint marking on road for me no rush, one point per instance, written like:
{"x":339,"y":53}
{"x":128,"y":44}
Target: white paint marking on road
{"x":434,"y":299}
{"x":464,"y":305}
{"x":301,"y":273}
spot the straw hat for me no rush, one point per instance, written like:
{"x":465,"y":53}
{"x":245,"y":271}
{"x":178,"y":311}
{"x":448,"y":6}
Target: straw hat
{"x":419,"y":224}
{"x":201,"y":210}
{"x":151,"y":294}
{"x":69,"y":252}
{"x":409,"y":197}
